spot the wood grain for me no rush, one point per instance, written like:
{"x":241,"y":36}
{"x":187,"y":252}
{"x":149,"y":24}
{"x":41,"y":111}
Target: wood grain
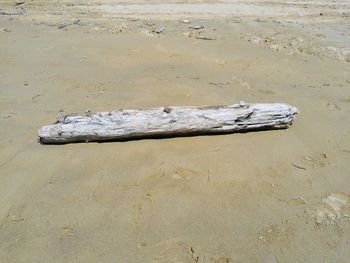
{"x":168,"y":121}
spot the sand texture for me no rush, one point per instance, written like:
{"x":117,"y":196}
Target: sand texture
{"x":271,"y":196}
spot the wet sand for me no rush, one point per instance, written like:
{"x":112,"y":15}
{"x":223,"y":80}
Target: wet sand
{"x":272,"y":196}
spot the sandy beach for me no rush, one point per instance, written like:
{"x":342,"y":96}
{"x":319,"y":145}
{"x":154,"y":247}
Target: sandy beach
{"x":269,"y":196}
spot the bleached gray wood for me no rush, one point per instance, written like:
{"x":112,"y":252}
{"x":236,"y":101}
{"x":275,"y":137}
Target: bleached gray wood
{"x":168,"y":121}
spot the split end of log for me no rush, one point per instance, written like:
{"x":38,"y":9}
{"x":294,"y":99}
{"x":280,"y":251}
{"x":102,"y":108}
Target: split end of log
{"x":168,"y":122}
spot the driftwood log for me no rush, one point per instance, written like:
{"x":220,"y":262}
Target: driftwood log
{"x":168,"y":122}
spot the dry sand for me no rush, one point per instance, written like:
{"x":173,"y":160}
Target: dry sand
{"x":275,"y":196}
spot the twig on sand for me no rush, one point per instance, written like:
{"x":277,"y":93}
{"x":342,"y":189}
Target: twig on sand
{"x":206,"y":38}
{"x":196,"y":27}
{"x":160,"y":30}
{"x":299,"y":167}
{"x":194,"y":257}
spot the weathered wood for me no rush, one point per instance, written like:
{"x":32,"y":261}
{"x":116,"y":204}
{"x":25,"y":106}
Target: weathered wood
{"x":168,"y":121}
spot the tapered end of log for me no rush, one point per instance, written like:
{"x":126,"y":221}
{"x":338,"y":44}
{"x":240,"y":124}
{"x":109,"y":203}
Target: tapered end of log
{"x":168,"y":122}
